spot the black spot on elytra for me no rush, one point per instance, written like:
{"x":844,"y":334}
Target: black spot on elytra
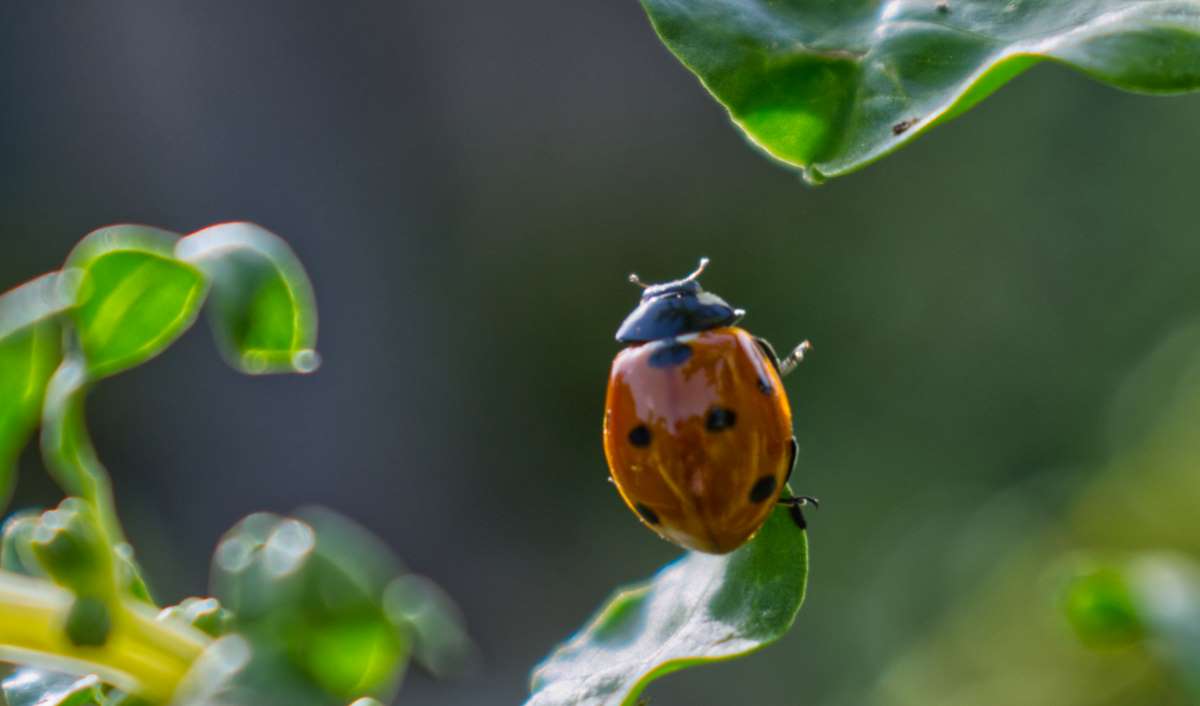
{"x":720,"y":418}
{"x":764,"y":386}
{"x":639,"y":436}
{"x":647,"y":514}
{"x":763,"y":488}
{"x":670,"y":355}
{"x":795,"y":449}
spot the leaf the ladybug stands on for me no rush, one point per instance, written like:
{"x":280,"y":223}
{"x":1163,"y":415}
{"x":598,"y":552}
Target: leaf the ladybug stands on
{"x":702,"y":608}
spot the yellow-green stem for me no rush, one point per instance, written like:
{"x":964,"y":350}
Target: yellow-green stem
{"x":143,"y":655}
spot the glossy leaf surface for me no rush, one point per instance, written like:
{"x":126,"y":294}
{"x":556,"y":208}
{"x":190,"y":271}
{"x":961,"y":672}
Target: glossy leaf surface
{"x":33,"y":687}
{"x":831,"y":86}
{"x":702,"y":608}
{"x":263,"y":311}
{"x":135,"y":298}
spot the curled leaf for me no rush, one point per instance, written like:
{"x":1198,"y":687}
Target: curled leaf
{"x":829,"y":87}
{"x":702,"y":608}
{"x":262,"y":307}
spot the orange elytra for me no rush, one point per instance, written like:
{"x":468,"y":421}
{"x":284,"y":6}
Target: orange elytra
{"x":697,"y":425}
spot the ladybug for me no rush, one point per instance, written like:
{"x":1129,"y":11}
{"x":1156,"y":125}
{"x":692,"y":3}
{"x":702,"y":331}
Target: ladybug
{"x":697,"y":426}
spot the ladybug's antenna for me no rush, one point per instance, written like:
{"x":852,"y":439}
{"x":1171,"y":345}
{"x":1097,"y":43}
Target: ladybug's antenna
{"x":690,"y":278}
{"x":699,"y":268}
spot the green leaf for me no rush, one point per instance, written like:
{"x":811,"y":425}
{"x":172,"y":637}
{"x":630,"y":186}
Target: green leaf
{"x":1100,"y":607}
{"x":29,"y":351}
{"x":204,"y":614}
{"x":702,"y":608}
{"x":440,"y":641}
{"x":16,"y":547}
{"x":308,"y":596}
{"x":262,"y":307}
{"x":135,"y":298}
{"x":829,"y":87}
{"x":70,"y":546}
{"x":33,"y":687}
{"x":1167,"y":590}
{"x":1152,"y":595}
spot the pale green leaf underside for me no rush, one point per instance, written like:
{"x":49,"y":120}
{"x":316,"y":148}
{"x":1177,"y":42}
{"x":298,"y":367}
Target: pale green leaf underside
{"x":831,"y":86}
{"x":702,"y":608}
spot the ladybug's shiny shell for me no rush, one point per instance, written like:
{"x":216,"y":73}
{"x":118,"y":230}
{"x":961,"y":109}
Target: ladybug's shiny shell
{"x":698,"y":432}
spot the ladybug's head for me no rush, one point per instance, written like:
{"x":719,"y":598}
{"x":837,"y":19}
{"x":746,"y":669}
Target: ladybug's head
{"x":675,"y":308}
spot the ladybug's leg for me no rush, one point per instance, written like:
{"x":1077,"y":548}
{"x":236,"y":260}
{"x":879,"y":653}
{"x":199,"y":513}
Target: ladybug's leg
{"x":788,"y":364}
{"x":795,"y":503}
{"x":796,"y":357}
{"x":768,"y":350}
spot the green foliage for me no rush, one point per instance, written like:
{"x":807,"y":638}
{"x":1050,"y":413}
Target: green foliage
{"x":310,"y":601}
{"x":831,"y":86}
{"x":205,"y":614}
{"x":316,"y":610}
{"x":71,"y":549}
{"x":702,"y":608}
{"x":1100,"y":607}
{"x":263,"y":311}
{"x":135,"y":298}
{"x":29,"y":350}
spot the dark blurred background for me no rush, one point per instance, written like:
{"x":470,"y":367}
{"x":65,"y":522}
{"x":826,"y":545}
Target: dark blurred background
{"x":470,"y":183}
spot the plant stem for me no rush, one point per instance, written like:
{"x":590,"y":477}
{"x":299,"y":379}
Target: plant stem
{"x":67,"y":446}
{"x":142,"y":655}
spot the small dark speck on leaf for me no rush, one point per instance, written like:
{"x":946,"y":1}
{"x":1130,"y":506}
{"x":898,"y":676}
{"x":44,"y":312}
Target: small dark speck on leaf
{"x":902,"y":127}
{"x":943,"y":6}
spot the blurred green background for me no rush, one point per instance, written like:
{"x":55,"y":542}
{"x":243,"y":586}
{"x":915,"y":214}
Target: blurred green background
{"x":1002,"y":314}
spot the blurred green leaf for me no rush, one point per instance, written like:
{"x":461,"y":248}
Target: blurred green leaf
{"x":1166,"y":589}
{"x":210,"y":681}
{"x":831,"y":86}
{"x":73,"y":551}
{"x":71,"y":548}
{"x":262,"y":307}
{"x":1153,"y":597}
{"x":16,"y":547}
{"x":135,"y":298}
{"x":702,"y":608}
{"x":440,"y":641}
{"x":29,"y":352}
{"x":204,"y":614}
{"x":1100,"y":608}
{"x":308,"y":596}
{"x":33,"y":687}
{"x":129,"y":573}
{"x":1004,"y":640}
